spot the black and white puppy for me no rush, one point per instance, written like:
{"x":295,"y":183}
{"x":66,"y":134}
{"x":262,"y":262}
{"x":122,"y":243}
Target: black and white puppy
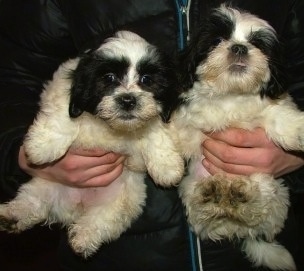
{"x":231,"y":79}
{"x":117,"y":98}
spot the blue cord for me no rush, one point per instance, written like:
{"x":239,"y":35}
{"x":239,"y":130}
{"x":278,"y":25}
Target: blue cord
{"x":192,"y":250}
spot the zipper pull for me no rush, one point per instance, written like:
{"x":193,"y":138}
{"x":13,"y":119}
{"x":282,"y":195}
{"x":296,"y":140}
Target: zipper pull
{"x":184,"y":8}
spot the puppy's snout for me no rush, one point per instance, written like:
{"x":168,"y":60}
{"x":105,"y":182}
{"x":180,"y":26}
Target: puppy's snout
{"x":126,"y":101}
{"x":239,"y":49}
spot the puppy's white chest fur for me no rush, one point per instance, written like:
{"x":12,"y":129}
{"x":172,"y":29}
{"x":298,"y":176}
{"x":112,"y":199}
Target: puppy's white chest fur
{"x":217,"y":112}
{"x":95,"y":133}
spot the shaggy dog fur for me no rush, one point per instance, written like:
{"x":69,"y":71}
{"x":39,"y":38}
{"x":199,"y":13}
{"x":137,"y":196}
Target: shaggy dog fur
{"x":232,"y":80}
{"x":117,"y":98}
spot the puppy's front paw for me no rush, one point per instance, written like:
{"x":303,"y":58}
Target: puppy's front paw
{"x":133,"y":164}
{"x":38,"y":154}
{"x":290,"y":136}
{"x":295,"y":139}
{"x":168,"y":171}
{"x":296,"y":132}
{"x":48,"y":149}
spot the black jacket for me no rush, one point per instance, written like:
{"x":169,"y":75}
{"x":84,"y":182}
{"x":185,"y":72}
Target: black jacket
{"x":37,"y":35}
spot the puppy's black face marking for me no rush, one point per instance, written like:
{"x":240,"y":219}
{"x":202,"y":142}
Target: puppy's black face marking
{"x":158,"y":76}
{"x":212,"y":30}
{"x":219,"y":27}
{"x":263,"y":40}
{"x":96,"y":75}
{"x":239,"y":39}
{"x":112,"y":87}
{"x":266,"y":41}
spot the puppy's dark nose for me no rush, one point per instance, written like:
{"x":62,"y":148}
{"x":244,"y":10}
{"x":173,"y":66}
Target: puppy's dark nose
{"x":239,"y":49}
{"x":126,"y":101}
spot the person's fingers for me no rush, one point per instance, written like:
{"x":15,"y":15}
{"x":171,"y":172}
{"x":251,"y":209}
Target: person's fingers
{"x":241,"y":152}
{"x":78,"y":168}
{"x":84,"y":176}
{"x":81,"y":161}
{"x":95,"y":153}
{"x":214,"y":166}
{"x":241,"y":138}
{"x":88,"y":152}
{"x":220,"y":153}
{"x":101,"y":180}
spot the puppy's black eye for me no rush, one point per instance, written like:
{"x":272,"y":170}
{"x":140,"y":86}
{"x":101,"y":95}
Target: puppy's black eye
{"x":146,"y":80}
{"x":110,"y":77}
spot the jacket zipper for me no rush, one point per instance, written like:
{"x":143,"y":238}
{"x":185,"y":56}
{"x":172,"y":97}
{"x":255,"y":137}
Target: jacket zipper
{"x":183,"y":8}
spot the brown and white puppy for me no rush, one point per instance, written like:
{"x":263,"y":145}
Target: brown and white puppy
{"x":232,"y":79}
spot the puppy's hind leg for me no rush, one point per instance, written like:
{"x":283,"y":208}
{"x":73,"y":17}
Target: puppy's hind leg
{"x":271,"y":255}
{"x":30,"y":207}
{"x":103,"y":221}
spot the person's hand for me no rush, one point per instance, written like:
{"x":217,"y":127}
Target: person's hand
{"x":78,"y":168}
{"x":242,"y":152}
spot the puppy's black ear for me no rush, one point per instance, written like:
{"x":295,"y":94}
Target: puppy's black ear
{"x":79,"y":88}
{"x":188,"y":60}
{"x":170,"y":104}
{"x":166,"y":114}
{"x":277,"y":83}
{"x":275,"y":87}
{"x":74,"y":110}
{"x":202,"y":41}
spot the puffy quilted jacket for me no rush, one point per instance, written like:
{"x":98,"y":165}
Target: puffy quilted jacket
{"x":37,"y":35}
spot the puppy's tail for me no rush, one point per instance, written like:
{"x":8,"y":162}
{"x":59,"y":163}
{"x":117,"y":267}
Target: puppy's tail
{"x":271,"y":255}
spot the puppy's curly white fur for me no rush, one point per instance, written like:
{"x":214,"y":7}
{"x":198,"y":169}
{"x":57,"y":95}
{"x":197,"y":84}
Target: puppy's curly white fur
{"x":232,"y":79}
{"x":117,"y":98}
